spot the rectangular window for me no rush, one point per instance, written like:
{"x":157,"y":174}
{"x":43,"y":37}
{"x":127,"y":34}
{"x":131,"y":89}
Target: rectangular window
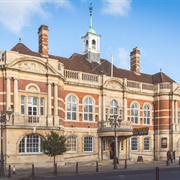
{"x":134,"y":144}
{"x":106,"y":114}
{"x":41,"y":106}
{"x":121,"y":114}
{"x":104,"y":145}
{"x":122,"y":145}
{"x":88,"y":144}
{"x":178,"y":117}
{"x":22,"y":105}
{"x":146,"y":144}
{"x":33,"y":110}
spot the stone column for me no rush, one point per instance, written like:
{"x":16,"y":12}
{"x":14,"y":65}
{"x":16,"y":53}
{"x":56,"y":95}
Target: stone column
{"x":8,"y":93}
{"x":55,"y":100}
{"x":49,"y":99}
{"x":15,"y":96}
{"x":172,"y":111}
{"x":125,"y":109}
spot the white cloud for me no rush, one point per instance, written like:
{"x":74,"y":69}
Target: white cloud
{"x":123,"y":57}
{"x":116,"y":7}
{"x":16,"y":14}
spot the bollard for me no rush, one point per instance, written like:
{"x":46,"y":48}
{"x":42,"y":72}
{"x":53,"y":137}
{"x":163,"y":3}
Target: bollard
{"x":167,"y":162}
{"x":76,"y":167}
{"x":125,"y":165}
{"x":9,"y":172}
{"x":32,"y":174}
{"x":97,"y":168}
{"x":157,"y":173}
{"x":14,"y":170}
{"x":55,"y":168}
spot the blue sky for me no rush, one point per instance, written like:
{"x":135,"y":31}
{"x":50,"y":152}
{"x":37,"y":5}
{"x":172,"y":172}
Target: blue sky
{"x":150,"y":25}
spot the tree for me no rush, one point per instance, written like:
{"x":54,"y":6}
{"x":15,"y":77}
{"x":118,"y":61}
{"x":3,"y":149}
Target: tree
{"x":54,"y":145}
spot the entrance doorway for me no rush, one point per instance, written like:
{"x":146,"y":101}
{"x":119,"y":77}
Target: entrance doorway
{"x":112,"y":150}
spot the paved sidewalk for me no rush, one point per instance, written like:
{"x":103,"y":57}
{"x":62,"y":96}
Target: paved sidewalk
{"x":87,"y":168}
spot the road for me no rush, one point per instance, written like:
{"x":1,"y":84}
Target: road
{"x":164,"y":174}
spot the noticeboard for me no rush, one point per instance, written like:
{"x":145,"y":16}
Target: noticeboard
{"x":140,"y":131}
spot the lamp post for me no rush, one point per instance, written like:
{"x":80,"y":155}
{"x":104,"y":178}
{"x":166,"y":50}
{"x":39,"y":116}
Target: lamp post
{"x":114,"y":122}
{"x":4,"y":118}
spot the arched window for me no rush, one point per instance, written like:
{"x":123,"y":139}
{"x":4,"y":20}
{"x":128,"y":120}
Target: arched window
{"x":146,"y":144}
{"x":113,"y":107}
{"x":31,"y":144}
{"x":134,"y":143}
{"x":93,"y":44}
{"x":71,"y":108}
{"x":146,"y":112}
{"x":134,"y":113}
{"x":72,"y":143}
{"x":88,"y":144}
{"x":86,"y":42}
{"x":88,"y":109}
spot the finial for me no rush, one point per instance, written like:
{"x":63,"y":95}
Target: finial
{"x":19,"y":40}
{"x":90,"y":8}
{"x":160,"y":70}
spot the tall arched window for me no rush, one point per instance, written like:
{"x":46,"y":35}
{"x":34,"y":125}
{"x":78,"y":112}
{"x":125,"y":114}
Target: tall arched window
{"x":134,"y":113}
{"x":71,"y":108}
{"x":93,"y":44}
{"x":88,"y":109}
{"x":113,"y":107}
{"x":72,"y":143}
{"x":146,"y":112}
{"x":31,"y":144}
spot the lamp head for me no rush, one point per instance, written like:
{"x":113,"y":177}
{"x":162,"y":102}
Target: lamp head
{"x":9,"y":111}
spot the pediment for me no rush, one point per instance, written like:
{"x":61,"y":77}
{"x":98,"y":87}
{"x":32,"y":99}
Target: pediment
{"x":33,"y":65}
{"x":113,"y":85}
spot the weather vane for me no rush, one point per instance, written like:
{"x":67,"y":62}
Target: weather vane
{"x":90,"y":8}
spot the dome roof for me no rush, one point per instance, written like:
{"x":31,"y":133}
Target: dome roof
{"x":91,"y":30}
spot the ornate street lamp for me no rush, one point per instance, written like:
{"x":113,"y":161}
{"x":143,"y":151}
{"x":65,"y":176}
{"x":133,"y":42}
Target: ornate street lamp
{"x":3,"y":119}
{"x":114,"y":122}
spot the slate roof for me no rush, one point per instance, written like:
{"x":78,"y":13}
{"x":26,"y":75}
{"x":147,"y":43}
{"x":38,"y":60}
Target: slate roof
{"x":78,"y":62}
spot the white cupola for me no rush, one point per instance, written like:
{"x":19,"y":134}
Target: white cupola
{"x":91,"y":42}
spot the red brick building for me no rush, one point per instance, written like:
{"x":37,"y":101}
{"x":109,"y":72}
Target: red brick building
{"x":77,"y":98}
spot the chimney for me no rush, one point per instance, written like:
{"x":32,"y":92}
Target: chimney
{"x":135,"y":60}
{"x":43,"y":40}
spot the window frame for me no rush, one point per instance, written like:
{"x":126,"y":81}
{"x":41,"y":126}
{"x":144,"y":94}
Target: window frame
{"x":148,"y":144}
{"x":72,"y":102}
{"x":136,"y":145}
{"x":147,"y":114}
{"x":88,"y":146}
{"x":73,"y":144}
{"x":88,"y":104}
{"x":134,"y":109}
{"x":113,"y":107}
{"x":23,"y":98}
{"x":28,"y":143}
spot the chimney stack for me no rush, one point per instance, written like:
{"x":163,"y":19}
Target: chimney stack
{"x":43,"y":40}
{"x":135,"y":60}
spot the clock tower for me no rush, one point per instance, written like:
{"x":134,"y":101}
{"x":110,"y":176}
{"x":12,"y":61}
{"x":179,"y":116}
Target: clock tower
{"x":91,"y":42}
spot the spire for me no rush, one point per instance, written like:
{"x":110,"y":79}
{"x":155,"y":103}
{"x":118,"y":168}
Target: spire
{"x":90,"y":10}
{"x":91,"y":30}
